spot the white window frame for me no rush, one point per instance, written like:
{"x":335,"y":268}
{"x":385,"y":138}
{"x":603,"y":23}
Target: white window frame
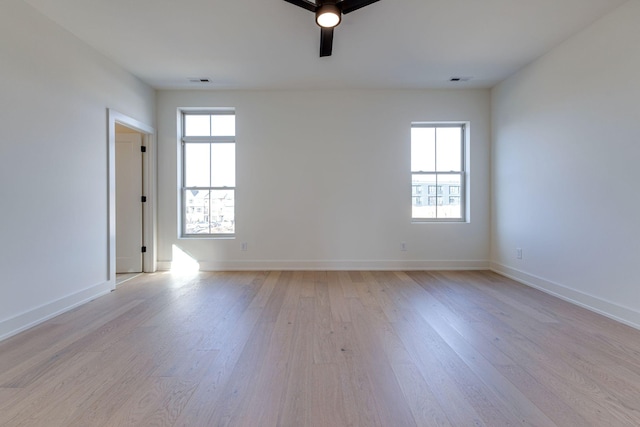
{"x":183,"y":188}
{"x":464,"y":127}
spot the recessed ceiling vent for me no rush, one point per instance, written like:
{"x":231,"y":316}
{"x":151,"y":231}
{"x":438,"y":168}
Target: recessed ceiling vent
{"x":460,"y":79}
{"x":199,"y":80}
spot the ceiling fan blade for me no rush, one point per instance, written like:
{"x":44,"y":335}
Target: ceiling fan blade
{"x":305,"y":4}
{"x":326,"y":41}
{"x":348,"y":6}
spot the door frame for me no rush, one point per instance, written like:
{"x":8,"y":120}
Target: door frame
{"x":149,"y":186}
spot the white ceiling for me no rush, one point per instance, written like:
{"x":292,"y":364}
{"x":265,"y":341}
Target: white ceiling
{"x":271,"y":44}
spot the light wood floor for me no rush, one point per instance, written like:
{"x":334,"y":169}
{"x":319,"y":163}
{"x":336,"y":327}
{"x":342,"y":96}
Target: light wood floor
{"x":326,"y":349}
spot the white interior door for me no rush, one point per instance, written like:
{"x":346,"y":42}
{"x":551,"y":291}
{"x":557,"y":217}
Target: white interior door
{"x":128,"y":203}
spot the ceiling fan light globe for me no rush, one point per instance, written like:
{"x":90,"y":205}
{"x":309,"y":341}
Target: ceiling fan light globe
{"x":328,"y":16}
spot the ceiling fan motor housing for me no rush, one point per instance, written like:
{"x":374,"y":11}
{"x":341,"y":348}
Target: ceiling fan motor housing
{"x":328,"y":15}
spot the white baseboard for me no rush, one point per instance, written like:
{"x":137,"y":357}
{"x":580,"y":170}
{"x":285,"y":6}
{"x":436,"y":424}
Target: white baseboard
{"x":335,"y":265}
{"x":614,"y":311}
{"x":163,"y":265}
{"x":31,"y":318}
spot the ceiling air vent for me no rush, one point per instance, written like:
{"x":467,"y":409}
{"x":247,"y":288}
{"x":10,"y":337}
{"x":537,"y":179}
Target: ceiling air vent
{"x":460,"y":79}
{"x":199,"y":80}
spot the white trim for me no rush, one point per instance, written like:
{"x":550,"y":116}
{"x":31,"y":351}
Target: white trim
{"x":335,"y":265}
{"x":31,"y":318}
{"x":149,"y":183}
{"x":609,"y":309}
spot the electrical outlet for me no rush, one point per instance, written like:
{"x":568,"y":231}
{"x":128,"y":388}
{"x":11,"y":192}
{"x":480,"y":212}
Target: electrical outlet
{"x":243,"y":246}
{"x":403,"y":247}
{"x":519,"y":253}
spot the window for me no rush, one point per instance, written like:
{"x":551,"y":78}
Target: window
{"x":208,"y":173}
{"x":438,"y":167}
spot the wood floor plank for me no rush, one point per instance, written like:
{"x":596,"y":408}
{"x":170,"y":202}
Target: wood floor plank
{"x":30,"y":402}
{"x":356,"y":384}
{"x":538,"y":394}
{"x":266,"y":288}
{"x":337,"y":299}
{"x":509,"y":404}
{"x":199,"y":409}
{"x":237,"y":392}
{"x":38,"y":358}
{"x":422,"y":400}
{"x":458,"y":393}
{"x":318,"y":348}
{"x":327,"y":399}
{"x":540,"y":355}
{"x":157,"y":403}
{"x":260,"y":407}
{"x":392,"y":408}
{"x":513,"y":400}
{"x":296,"y":402}
{"x":345,"y":278}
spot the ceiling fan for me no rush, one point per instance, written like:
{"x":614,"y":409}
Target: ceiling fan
{"x":328,"y":16}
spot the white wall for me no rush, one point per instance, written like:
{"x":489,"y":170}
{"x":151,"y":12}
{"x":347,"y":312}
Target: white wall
{"x":565,"y":168}
{"x":54,"y":95}
{"x":323,"y":180}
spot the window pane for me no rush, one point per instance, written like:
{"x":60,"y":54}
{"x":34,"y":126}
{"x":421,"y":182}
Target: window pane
{"x":196,"y":165}
{"x":223,"y":125}
{"x":197,"y":214}
{"x":423,"y":149}
{"x":436,"y":196}
{"x":222,"y":218}
{"x":448,"y":149}
{"x":209,"y":211}
{"x":422,"y":185}
{"x":197,"y":125}
{"x":223,"y":165}
{"x":450,"y":206}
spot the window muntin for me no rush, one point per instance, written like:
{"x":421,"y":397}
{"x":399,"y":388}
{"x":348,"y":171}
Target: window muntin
{"x":437,"y":171}
{"x":208,"y":173}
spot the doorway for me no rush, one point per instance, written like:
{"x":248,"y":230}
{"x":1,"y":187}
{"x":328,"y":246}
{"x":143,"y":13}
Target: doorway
{"x":147,"y":235}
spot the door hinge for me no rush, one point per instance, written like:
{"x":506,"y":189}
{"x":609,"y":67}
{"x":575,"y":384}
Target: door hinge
{"x":144,"y":249}
{"x":143,"y":149}
{"x":143,"y":199}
